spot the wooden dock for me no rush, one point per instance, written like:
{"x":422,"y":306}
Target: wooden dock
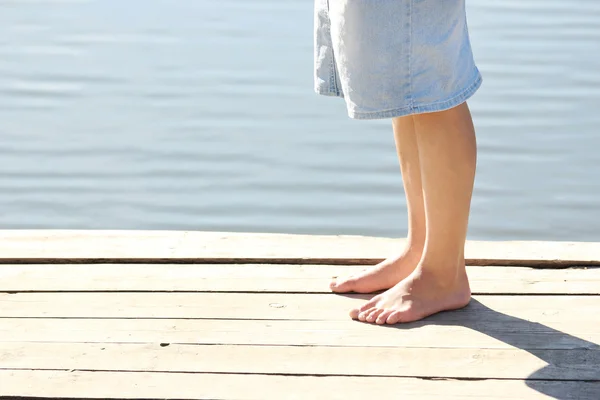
{"x":191,"y":315}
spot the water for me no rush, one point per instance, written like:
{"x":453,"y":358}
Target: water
{"x":200,"y":115}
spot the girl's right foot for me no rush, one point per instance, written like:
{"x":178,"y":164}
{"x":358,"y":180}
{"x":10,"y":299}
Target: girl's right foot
{"x":423,"y":293}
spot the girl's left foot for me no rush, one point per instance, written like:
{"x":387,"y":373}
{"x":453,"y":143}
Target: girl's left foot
{"x":381,"y":276}
{"x":423,"y":293}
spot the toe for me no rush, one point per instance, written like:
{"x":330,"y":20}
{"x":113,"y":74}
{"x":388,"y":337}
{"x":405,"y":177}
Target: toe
{"x":342,"y":285}
{"x":382,"y":317}
{"x":394,"y":318}
{"x":374,"y":314}
{"x":355,"y":312}
{"x":333,"y":282}
{"x":364,"y":314}
{"x":370,"y":304}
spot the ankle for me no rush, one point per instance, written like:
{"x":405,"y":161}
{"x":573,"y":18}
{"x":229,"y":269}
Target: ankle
{"x":443,"y":276}
{"x":443,"y":257}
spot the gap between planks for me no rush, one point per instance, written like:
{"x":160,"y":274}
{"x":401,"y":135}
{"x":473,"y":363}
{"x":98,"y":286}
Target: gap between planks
{"x":65,"y":246}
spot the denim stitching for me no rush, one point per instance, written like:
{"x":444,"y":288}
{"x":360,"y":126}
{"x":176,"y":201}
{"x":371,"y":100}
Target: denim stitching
{"x":332,"y":78}
{"x":334,"y":74}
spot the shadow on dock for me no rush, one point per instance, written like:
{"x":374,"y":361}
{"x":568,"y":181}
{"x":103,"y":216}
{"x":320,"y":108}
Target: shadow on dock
{"x":569,"y":358}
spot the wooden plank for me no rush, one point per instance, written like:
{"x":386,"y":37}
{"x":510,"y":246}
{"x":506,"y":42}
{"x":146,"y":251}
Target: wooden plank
{"x":274,"y":306}
{"x":135,"y":385}
{"x":576,"y":364}
{"x":163,"y":246}
{"x":269,"y":278}
{"x":505,"y":332}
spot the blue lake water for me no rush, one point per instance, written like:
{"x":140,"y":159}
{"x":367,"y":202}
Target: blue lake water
{"x":201,"y":115}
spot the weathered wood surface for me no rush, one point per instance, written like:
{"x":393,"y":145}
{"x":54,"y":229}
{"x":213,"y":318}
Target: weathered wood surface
{"x":199,"y":321}
{"x":135,"y":385}
{"x":164,"y":246}
{"x":275,"y":306}
{"x":510,"y":363}
{"x":280,"y":278}
{"x":443,"y":331}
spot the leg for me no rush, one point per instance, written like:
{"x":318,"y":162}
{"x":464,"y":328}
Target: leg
{"x":447,"y":153}
{"x":391,"y":271}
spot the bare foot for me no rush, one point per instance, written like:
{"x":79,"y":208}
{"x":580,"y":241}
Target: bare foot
{"x":381,"y":276}
{"x":421,"y":294}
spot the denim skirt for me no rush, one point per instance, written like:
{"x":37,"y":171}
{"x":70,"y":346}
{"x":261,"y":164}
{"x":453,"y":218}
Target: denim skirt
{"x":391,"y":58}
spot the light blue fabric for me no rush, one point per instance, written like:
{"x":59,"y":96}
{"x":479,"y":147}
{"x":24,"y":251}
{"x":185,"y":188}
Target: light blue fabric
{"x":390,"y":58}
